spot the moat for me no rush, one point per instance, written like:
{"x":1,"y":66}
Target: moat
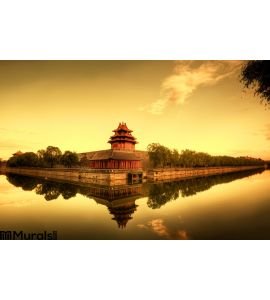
{"x":227,"y":206}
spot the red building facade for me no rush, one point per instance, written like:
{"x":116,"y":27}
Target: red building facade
{"x":122,"y":154}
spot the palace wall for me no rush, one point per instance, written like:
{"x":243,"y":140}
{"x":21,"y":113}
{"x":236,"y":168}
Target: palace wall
{"x":179,"y":173}
{"x":121,"y":177}
{"x":143,"y":155}
{"x":74,"y":175}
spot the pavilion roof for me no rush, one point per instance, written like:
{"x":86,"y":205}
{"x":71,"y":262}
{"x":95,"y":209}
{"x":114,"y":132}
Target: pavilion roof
{"x":115,"y":139}
{"x":113,"y":154}
{"x":123,"y":214}
{"x":122,"y":126}
{"x":122,"y":133}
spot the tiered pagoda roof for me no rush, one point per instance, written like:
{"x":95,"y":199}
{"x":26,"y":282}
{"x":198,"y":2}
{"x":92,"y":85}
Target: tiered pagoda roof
{"x":123,"y":214}
{"x":122,"y":134}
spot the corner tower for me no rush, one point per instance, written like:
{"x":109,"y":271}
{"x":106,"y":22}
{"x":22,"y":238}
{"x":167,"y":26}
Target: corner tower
{"x":122,"y":139}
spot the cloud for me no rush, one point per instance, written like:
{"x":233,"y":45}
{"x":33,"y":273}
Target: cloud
{"x":158,"y":226}
{"x":186,"y":78}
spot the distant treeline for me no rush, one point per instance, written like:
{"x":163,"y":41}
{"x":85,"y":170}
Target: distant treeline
{"x":47,"y":158}
{"x":162,"y":157}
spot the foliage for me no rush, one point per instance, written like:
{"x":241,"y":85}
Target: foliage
{"x":161,"y":156}
{"x":69,"y":159}
{"x":256,"y":74}
{"x":49,"y":189}
{"x":52,"y":156}
{"x":41,"y":161}
{"x":28,"y":159}
{"x":49,"y":157}
{"x":27,"y":183}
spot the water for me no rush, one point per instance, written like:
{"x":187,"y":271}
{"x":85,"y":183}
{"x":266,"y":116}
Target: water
{"x":231,"y":206}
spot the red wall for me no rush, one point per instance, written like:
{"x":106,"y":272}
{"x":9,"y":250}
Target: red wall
{"x":115,"y":164}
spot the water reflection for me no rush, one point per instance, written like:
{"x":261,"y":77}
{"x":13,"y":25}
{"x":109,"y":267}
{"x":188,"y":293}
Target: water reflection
{"x":120,"y":200}
{"x":53,"y":189}
{"x":161,"y":193}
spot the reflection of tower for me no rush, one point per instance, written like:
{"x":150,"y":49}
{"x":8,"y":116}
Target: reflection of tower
{"x":120,"y":200}
{"x":122,"y":214}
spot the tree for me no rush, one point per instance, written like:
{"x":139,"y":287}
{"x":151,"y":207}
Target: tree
{"x":28,"y":159}
{"x":154,"y":156}
{"x":41,"y":161}
{"x":50,"y":190}
{"x":69,"y":159}
{"x":52,"y":156}
{"x":187,"y":158}
{"x":175,"y":158}
{"x":159,"y":156}
{"x":256,"y":74}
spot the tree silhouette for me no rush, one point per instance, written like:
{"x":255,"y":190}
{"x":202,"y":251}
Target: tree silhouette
{"x":52,"y":155}
{"x":161,"y":156}
{"x":256,"y":74}
{"x":69,"y":159}
{"x":28,"y":159}
{"x":50,"y":190}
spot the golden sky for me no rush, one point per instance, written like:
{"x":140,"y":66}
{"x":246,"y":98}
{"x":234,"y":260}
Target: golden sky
{"x":198,"y":105}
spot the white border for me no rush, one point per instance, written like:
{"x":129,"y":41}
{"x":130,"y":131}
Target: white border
{"x":123,"y":29}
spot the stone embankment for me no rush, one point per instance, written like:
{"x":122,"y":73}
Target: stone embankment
{"x":121,"y":177}
{"x":102,"y":177}
{"x":181,"y":173}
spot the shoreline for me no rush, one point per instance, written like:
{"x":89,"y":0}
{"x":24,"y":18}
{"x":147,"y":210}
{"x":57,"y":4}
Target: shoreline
{"x":185,"y":173}
{"x":121,"y":177}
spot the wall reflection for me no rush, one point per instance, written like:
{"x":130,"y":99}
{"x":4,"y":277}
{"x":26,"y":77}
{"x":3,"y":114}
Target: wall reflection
{"x":120,"y":200}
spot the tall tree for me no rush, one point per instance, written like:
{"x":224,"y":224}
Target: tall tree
{"x":69,"y":159}
{"x":256,"y":74}
{"x":52,"y":156}
{"x":159,"y":156}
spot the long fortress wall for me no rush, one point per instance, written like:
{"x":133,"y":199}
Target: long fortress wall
{"x":74,"y":175}
{"x":171,"y":174}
